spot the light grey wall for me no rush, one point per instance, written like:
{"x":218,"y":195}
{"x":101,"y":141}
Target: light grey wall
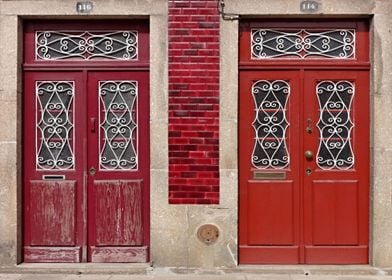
{"x":12,"y":14}
{"x":378,"y":12}
{"x":173,"y":227}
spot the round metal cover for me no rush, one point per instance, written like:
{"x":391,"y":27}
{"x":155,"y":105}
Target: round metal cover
{"x":208,"y":234}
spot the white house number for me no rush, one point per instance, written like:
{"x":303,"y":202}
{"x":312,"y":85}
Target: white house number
{"x":84,"y":7}
{"x":309,"y":6}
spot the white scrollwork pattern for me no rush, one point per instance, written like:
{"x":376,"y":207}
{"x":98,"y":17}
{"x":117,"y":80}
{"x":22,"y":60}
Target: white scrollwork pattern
{"x":118,"y":125}
{"x":335,"y":125}
{"x":270,"y":124}
{"x":54,"y":124}
{"x":273,"y":43}
{"x":84,"y":45}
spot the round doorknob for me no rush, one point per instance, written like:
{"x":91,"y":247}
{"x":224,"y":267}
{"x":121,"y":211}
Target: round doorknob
{"x":309,"y":154}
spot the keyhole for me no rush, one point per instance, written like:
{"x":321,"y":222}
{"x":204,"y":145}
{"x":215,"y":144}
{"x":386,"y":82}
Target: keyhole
{"x":308,"y":171}
{"x":92,"y":171}
{"x":309,"y":128}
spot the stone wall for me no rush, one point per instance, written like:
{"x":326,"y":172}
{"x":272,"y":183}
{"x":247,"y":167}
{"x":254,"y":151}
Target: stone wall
{"x":174,"y":227}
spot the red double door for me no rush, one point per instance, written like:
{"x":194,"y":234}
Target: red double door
{"x":86,"y":166}
{"x":304,"y":166}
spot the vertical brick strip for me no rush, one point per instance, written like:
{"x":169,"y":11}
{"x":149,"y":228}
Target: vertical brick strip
{"x":193,"y":102}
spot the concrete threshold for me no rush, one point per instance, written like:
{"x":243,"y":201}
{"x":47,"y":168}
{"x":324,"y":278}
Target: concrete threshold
{"x":147,"y":269}
{"x":355,"y":270}
{"x":78,"y":268}
{"x":310,"y":269}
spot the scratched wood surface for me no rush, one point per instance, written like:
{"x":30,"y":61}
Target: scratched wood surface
{"x":118,"y":216}
{"x":119,"y":254}
{"x":52,"y":254}
{"x":52,"y":213}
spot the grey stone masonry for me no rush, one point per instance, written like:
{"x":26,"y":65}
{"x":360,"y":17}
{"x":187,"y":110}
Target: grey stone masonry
{"x":174,"y":227}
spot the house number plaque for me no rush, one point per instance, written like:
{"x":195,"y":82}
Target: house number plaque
{"x":84,"y":7}
{"x":309,"y":6}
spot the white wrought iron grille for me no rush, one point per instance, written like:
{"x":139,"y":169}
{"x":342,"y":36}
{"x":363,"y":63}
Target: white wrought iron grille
{"x":270,"y":124}
{"x":54,"y":124}
{"x":274,"y":43}
{"x":86,"y":45}
{"x":335,"y":124}
{"x":118,"y":125}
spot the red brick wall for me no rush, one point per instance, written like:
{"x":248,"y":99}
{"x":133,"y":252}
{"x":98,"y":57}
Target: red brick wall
{"x":193,"y":102}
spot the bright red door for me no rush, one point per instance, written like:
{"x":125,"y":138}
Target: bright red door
{"x":303,"y":144}
{"x":269,"y":185}
{"x":336,"y":176}
{"x":86,"y":143}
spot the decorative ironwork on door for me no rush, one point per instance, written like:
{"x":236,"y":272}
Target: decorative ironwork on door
{"x":118,"y":125}
{"x":275,"y":43}
{"x":54,"y":123}
{"x":270,"y":124}
{"x":335,"y":124}
{"x":86,"y":45}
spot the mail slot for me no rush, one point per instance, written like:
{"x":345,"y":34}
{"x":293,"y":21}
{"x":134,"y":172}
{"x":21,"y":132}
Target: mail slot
{"x":53,"y":177}
{"x":262,"y":175}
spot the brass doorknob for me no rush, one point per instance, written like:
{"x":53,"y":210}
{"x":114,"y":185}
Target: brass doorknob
{"x":309,"y":154}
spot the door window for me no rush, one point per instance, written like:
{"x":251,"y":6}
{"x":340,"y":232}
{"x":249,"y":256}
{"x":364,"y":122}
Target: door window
{"x":335,"y":99}
{"x":55,"y":125}
{"x":270,"y":124}
{"x":118,"y":125}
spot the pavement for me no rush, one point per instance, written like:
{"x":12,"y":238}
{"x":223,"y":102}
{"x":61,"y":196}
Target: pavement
{"x":241,"y":276}
{"x":125,"y":272}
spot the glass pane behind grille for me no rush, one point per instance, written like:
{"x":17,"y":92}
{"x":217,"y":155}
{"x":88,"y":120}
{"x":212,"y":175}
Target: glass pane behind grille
{"x":335,"y":124}
{"x":84,"y":45}
{"x":54,"y":124}
{"x":301,"y":43}
{"x":270,"y":124}
{"x":118,"y":125}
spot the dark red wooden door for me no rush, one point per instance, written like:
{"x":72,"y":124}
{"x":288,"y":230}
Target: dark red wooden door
{"x":86,"y":142}
{"x":118,"y":166}
{"x":54,"y":133}
{"x":86,"y":166}
{"x":303,"y":142}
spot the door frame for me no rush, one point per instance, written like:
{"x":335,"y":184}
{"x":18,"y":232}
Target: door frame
{"x":81,"y":70}
{"x":247,"y":64}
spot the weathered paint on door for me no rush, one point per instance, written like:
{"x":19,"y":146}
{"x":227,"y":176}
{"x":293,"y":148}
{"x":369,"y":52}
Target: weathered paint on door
{"x":303,"y":145}
{"x":117,"y":190}
{"x":86,"y":142}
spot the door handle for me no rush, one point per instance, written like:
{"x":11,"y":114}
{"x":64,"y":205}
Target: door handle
{"x":308,"y":155}
{"x":93,"y":123}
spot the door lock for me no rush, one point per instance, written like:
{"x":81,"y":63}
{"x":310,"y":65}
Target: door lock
{"x":308,"y":171}
{"x":92,"y":171}
{"x":309,"y":128}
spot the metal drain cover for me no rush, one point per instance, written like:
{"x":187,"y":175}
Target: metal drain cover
{"x":208,"y":234}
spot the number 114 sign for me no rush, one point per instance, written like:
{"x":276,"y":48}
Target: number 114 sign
{"x":309,"y":6}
